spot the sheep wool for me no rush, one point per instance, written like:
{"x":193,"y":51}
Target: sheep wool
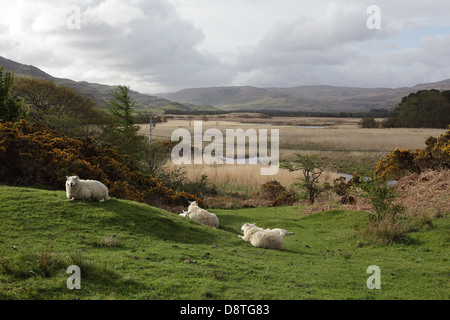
{"x":202,"y":216}
{"x":283,"y":232}
{"x":86,"y":190}
{"x":262,"y":238}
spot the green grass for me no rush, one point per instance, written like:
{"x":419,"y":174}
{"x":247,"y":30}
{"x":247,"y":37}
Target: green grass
{"x":128,"y":250}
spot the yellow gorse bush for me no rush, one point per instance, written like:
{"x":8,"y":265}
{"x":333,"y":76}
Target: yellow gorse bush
{"x":35,"y":154}
{"x":399,"y":163}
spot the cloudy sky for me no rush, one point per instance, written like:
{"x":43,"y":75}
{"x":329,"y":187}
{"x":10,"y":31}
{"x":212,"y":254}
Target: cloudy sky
{"x":167,"y":45}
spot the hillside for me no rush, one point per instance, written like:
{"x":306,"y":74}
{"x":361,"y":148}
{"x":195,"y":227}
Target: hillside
{"x":244,"y":98}
{"x":127,"y":250}
{"x":100,"y":93}
{"x":303,"y":98}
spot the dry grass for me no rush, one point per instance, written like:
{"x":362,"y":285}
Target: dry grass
{"x":338,"y":134}
{"x":342,"y":145}
{"x":243,"y":175}
{"x":426,"y":195}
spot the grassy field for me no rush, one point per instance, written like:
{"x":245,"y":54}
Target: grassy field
{"x":128,"y":250}
{"x":339,"y":142}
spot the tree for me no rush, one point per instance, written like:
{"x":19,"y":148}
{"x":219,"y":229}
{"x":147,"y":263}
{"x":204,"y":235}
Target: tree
{"x":9,"y":104}
{"x":57,"y":106}
{"x":121,"y":106}
{"x":311,"y":171}
{"x":423,"y":109}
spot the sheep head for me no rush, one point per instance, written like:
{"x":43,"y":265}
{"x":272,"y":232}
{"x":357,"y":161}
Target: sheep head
{"x":72,"y":181}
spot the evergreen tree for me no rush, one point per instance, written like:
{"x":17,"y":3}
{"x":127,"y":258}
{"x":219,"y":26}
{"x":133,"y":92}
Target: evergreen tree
{"x":423,"y":109}
{"x":9,"y":104}
{"x":121,"y":106}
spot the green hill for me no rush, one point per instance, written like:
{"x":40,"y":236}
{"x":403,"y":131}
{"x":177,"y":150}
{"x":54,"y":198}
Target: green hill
{"x":128,"y":250}
{"x":100,"y":93}
{"x":303,"y":98}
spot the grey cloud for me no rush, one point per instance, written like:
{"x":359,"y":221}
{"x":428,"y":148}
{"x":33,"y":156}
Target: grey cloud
{"x":148,"y":45}
{"x":336,"y":48}
{"x":136,"y":40}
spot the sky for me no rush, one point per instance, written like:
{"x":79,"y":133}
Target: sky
{"x":157,"y":46}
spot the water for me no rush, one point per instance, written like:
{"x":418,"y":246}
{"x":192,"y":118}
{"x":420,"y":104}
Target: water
{"x":310,"y":127}
{"x":349,"y":176}
{"x":269,"y":125}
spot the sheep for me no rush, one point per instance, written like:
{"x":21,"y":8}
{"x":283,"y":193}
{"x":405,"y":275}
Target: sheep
{"x":201,"y":215}
{"x":77,"y":189}
{"x":262,"y":238}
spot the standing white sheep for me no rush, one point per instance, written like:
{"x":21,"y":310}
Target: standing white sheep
{"x":86,"y":190}
{"x":201,"y":215}
{"x":263,"y":238}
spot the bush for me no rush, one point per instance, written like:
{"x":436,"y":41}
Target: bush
{"x":342,"y":189}
{"x":272,"y":189}
{"x":381,"y":196}
{"x":369,"y":123}
{"x":398,"y":163}
{"x":387,"y":224}
{"x":34,"y":154}
{"x":286,"y":198}
{"x":277,"y":194}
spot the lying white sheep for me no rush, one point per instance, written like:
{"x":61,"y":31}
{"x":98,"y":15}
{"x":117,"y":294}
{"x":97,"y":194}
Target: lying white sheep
{"x":262,"y":238}
{"x":201,"y":215}
{"x":86,"y":190}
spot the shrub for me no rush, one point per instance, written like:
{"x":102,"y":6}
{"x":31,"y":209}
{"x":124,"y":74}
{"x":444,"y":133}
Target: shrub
{"x":342,"y":189}
{"x":285,"y":198}
{"x":381,"y":196}
{"x":272,"y":190}
{"x":369,"y":123}
{"x":398,"y":163}
{"x":387,"y":224}
{"x":35,"y":154}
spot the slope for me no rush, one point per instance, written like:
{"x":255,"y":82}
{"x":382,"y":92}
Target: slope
{"x":100,"y":93}
{"x":127,"y":250}
{"x":302,"y":98}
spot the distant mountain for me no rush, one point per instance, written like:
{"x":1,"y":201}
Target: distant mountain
{"x":303,"y":98}
{"x":244,"y":98}
{"x":100,"y":93}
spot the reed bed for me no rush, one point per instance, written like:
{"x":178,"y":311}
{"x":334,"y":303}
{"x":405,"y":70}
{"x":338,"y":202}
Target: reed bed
{"x":244,"y":175}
